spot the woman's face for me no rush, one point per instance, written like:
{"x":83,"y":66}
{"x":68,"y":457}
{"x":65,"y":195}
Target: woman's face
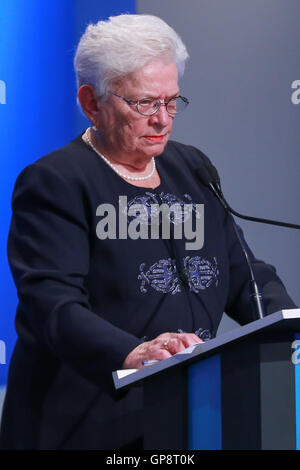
{"x":124,"y":132}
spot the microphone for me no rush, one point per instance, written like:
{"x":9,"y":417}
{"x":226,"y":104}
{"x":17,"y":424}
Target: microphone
{"x":210,"y":177}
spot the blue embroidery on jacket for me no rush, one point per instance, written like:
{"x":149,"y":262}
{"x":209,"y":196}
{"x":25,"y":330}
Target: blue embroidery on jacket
{"x":201,"y":273}
{"x":163,"y":276}
{"x":148,"y":199}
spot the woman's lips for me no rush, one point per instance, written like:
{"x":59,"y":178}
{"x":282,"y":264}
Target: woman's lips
{"x":155,"y":138}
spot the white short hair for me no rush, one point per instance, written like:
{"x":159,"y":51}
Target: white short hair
{"x":123,"y":44}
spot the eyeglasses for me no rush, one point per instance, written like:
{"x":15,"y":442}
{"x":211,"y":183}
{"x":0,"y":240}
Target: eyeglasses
{"x":149,"y":106}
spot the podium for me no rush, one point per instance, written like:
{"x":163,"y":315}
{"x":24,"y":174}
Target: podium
{"x":240,"y":390}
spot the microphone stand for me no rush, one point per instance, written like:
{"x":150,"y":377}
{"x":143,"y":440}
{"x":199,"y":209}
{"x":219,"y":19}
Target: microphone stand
{"x":255,"y":294}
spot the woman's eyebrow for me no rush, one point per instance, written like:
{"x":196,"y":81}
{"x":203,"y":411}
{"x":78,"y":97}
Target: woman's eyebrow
{"x":149,"y":96}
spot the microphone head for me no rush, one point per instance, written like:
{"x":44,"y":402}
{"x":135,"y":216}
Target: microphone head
{"x":208,"y":175}
{"x":204,"y":175}
{"x":214,"y":174}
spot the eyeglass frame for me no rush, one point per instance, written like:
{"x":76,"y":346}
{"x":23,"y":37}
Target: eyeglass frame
{"x":165,"y":103}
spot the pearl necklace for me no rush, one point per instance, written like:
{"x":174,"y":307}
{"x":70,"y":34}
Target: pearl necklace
{"x":134,"y":178}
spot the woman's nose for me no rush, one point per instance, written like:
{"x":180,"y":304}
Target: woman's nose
{"x":161,"y":116}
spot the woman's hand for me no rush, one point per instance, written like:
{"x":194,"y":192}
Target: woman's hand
{"x":162,"y":347}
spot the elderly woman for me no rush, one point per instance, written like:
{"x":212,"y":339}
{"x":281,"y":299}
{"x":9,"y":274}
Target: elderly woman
{"x":93,"y":296}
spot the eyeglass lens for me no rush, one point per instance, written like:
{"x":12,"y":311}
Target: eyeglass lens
{"x":174,"y":106}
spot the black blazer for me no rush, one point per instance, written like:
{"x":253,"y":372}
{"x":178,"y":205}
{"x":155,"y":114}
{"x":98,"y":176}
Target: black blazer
{"x":85,"y":303}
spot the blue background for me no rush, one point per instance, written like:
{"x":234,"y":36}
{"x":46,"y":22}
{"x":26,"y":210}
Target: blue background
{"x":37,"y":46}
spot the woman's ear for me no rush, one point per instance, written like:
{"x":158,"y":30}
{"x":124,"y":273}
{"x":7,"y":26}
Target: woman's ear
{"x":89,"y":102}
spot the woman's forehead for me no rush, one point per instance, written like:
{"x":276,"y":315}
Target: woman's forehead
{"x":153,"y":79}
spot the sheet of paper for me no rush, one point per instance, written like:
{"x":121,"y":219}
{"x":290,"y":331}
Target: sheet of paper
{"x":188,"y":350}
{"x":124,"y":372}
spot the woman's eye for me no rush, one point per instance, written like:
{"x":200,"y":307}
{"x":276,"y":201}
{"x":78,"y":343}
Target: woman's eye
{"x":146,"y":102}
{"x":172,"y":103}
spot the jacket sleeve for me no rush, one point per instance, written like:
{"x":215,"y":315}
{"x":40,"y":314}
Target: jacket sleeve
{"x":49,"y":252}
{"x":239,"y":304}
